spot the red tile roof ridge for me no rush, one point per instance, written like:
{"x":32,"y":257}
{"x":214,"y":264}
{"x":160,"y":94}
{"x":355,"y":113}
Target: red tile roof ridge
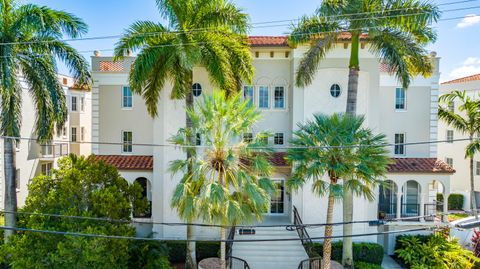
{"x":475,"y":77}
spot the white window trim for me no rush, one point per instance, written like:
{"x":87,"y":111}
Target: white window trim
{"x":121,"y":139}
{"x":121,"y":99}
{"x":285,"y":98}
{"x":279,"y":145}
{"x":82,"y":104}
{"x":330,"y":90}
{"x":76,"y":134}
{"x":77,"y":103}
{"x":450,"y":141}
{"x":257,"y":92}
{"x":18,"y":173}
{"x":253,"y":97}
{"x":395,"y":100}
{"x":446,"y":161}
{"x":477,"y":168}
{"x":404,"y":142}
{"x":83,"y":133}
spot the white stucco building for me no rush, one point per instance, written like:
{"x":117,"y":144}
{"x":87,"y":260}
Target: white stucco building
{"x":404,"y":115}
{"x":454,"y":152}
{"x":32,"y":158}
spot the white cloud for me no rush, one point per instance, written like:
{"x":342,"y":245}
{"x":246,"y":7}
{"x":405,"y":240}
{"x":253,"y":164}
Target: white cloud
{"x":470,"y":66}
{"x":469,"y":20}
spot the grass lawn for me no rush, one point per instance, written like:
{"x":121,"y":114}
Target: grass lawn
{"x":457,"y":216}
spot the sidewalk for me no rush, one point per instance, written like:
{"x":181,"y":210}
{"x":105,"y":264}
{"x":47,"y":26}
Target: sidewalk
{"x":389,"y":263}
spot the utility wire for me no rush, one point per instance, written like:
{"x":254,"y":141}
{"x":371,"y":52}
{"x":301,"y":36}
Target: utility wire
{"x":53,"y":142}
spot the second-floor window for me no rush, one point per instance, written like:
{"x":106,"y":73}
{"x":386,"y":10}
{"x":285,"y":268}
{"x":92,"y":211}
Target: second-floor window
{"x":46,"y":168}
{"x":82,"y":104}
{"x":449,"y":161}
{"x":399,"y":144}
{"x":127,"y":97}
{"x":74,"y":103}
{"x":248,"y":94}
{"x":74,"y":134}
{"x":263,"y":97}
{"x":82,"y":133}
{"x":279,"y":95}
{"x":17,"y":179}
{"x":247,"y":137}
{"x":450,"y":136}
{"x":127,"y":140}
{"x":400,"y":99}
{"x":477,"y":168}
{"x":278,"y":139}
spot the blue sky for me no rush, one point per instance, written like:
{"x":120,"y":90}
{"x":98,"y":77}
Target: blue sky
{"x":457,"y":44}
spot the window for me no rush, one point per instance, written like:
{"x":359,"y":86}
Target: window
{"x":248,"y":94}
{"x":450,"y":136}
{"x":74,"y":103}
{"x":64,"y":131}
{"x":477,"y":168}
{"x":400,"y":99}
{"x":263,"y":99}
{"x":399,"y":144}
{"x":335,"y":90}
{"x":127,"y":98}
{"x":82,"y":133}
{"x":278,"y":139}
{"x":247,"y":137}
{"x":449,"y":161}
{"x":46,"y":169}
{"x":127,"y":142}
{"x":451,"y":106}
{"x":198,"y":139}
{"x":17,"y":179}
{"x":279,"y":95}
{"x":82,"y":104}
{"x":74,"y":134}
{"x":196,"y":89}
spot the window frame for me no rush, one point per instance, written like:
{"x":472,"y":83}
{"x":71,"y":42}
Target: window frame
{"x":477,"y":168}
{"x":82,"y":133}
{"x":124,"y":96}
{"x":259,"y":88}
{"x":274,"y":105}
{"x":72,"y":133}
{"x":449,"y":161}
{"x":450,"y":139}
{"x":127,"y":143}
{"x":193,"y":89}
{"x":74,"y":97}
{"x":48,"y":168}
{"x":82,"y":103}
{"x":404,"y":100}
{"x":252,"y":100}
{"x":275,"y":139}
{"x":400,"y":145}
{"x":17,"y":179}
{"x":339,"y":90}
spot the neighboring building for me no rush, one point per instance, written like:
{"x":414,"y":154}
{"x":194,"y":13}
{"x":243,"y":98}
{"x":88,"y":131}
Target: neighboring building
{"x":33,"y":159}
{"x":454,"y":153}
{"x":404,"y":115}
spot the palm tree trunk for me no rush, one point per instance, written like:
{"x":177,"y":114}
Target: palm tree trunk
{"x":327,"y":244}
{"x":10,"y":188}
{"x":347,"y":252}
{"x":191,"y":259}
{"x":223,"y":247}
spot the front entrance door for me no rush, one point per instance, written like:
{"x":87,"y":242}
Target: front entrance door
{"x":277,"y":200}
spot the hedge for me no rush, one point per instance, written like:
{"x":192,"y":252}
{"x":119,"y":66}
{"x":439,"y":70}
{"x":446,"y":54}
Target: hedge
{"x":455,"y":201}
{"x":177,"y":250}
{"x":365,"y":265}
{"x":362,"y":252}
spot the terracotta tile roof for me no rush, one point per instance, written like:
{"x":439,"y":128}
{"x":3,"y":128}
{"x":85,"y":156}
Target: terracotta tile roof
{"x":419,"y":165}
{"x":348,"y":36}
{"x":278,"y":159}
{"x":268,"y":41}
{"x":109,"y":66}
{"x":126,"y":162}
{"x":464,"y":79}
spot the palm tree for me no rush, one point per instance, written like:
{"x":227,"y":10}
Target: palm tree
{"x":207,"y":33}
{"x":229,"y":182}
{"x":30,"y":43}
{"x":467,"y":122}
{"x":397,"y":32}
{"x":327,"y":152}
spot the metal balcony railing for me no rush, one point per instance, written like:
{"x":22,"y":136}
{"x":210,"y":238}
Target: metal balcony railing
{"x":54,"y":150}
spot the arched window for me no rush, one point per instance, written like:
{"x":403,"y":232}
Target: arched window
{"x":196,"y":89}
{"x":143,"y":182}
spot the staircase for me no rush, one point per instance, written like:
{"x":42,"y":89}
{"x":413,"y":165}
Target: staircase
{"x":273,"y":254}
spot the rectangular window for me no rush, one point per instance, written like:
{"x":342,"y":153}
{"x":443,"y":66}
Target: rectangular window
{"x":449,"y":161}
{"x":278,"y":139}
{"x":46,"y":169}
{"x":263,"y":98}
{"x":399,"y":144}
{"x":247,"y":137}
{"x":450,"y":136}
{"x":64,"y":131}
{"x":82,"y":104}
{"x":127,"y":97}
{"x":477,"y":168}
{"x":400,"y":99}
{"x":127,"y":142}
{"x":74,"y":134}
{"x":198,"y":139}
{"x":17,"y":179}
{"x":82,"y":133}
{"x":279,"y":95}
{"x":248,"y":94}
{"x":74,"y":103}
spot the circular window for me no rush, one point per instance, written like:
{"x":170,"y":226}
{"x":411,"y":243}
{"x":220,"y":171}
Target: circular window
{"x":197,"y":89}
{"x":335,"y":90}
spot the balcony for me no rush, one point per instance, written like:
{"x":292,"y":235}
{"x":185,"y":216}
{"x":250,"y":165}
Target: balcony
{"x":53,"y":150}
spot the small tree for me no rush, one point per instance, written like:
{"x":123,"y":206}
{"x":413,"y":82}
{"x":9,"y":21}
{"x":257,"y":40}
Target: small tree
{"x":229,"y":184}
{"x":327,"y":153}
{"x":80,"y":187}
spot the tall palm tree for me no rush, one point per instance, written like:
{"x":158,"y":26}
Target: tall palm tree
{"x":467,"y":122}
{"x":397,"y":32}
{"x":207,"y":33}
{"x":30,"y":43}
{"x":229,"y":182}
{"x":326,"y":153}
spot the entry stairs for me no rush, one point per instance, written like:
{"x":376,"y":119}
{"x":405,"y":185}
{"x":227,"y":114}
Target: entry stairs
{"x":269,"y":254}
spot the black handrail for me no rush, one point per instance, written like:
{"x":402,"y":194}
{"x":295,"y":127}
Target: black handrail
{"x":312,"y":263}
{"x":236,"y":263}
{"x":303,"y":233}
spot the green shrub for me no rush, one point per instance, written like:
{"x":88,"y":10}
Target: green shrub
{"x":366,"y":265}
{"x":455,"y":201}
{"x":362,"y":252}
{"x":148,"y":255}
{"x":177,"y":250}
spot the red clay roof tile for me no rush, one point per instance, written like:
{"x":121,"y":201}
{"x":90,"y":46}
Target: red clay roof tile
{"x":464,"y":79}
{"x":268,"y":41}
{"x":419,"y":165}
{"x":126,"y":162}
